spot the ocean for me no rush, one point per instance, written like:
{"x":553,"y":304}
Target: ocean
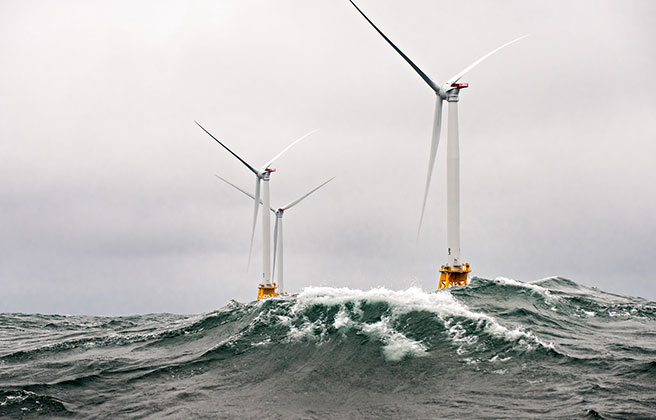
{"x":550,"y":349}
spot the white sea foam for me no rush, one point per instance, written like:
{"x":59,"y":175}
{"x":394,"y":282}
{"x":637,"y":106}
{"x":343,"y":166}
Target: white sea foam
{"x":342,"y":319}
{"x":395,"y":344}
{"x":497,"y":358}
{"x":262,"y":343}
{"x":534,"y":287}
{"x":459,"y":334}
{"x":307,"y":330}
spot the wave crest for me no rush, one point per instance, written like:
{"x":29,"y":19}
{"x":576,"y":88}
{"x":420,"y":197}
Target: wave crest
{"x":384,"y":315}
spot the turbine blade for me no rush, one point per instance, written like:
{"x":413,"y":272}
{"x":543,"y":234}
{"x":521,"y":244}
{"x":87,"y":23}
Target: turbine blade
{"x":269,"y":163}
{"x":245,"y":192}
{"x":231,"y":152}
{"x":275,"y":249}
{"x":479,"y":61}
{"x":405,"y":57}
{"x":257,"y":205}
{"x":236,"y":187}
{"x":298,"y":200}
{"x":437,"y":127}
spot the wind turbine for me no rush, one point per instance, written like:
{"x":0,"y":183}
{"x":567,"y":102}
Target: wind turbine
{"x":277,"y":229}
{"x":453,"y":273}
{"x":267,"y":288}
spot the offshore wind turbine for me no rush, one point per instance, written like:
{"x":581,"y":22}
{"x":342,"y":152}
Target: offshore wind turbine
{"x":267,"y":288}
{"x":453,"y":273}
{"x":277,"y":229}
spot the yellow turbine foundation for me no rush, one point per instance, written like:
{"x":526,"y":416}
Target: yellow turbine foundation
{"x":264,"y":291}
{"x":453,"y":276}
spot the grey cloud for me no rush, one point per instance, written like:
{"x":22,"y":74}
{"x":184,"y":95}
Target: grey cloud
{"x":108,"y":200}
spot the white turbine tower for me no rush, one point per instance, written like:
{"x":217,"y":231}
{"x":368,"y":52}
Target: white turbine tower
{"x":277,"y":229}
{"x":454,"y":272}
{"x":267,"y":288}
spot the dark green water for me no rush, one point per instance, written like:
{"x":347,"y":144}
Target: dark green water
{"x":496,"y":349}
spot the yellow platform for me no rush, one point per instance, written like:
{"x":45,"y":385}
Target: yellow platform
{"x":266,"y":291}
{"x":453,"y":276}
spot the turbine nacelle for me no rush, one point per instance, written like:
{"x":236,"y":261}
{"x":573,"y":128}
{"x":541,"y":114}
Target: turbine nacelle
{"x":451,"y":90}
{"x":277,"y":229}
{"x":265,"y":173}
{"x":262,"y":174}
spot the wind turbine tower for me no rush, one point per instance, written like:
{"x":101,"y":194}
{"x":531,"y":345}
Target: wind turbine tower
{"x":267,"y":288}
{"x":277,"y":229}
{"x":454,"y":272}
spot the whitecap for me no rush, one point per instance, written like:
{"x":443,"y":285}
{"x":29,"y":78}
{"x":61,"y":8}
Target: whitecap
{"x":395,"y":344}
{"x":534,"y":287}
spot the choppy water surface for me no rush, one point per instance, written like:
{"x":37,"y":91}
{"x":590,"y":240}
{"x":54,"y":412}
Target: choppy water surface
{"x":497,"y":349}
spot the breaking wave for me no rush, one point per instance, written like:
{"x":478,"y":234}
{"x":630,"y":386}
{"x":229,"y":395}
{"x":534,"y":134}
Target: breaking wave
{"x":556,"y":339}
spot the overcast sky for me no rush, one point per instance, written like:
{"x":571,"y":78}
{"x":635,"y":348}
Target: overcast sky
{"x":108,"y":200}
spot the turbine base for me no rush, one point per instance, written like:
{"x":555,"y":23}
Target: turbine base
{"x":453,"y":276}
{"x":266,"y":291}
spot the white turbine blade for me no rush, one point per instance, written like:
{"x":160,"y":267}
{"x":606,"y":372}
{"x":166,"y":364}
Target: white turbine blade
{"x":405,"y":57}
{"x":437,"y":127}
{"x":257,"y":205}
{"x":266,"y":165}
{"x":236,"y":187}
{"x":245,"y":192}
{"x":255,"y":171}
{"x":275,"y":248}
{"x":479,"y":61}
{"x":298,"y":200}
